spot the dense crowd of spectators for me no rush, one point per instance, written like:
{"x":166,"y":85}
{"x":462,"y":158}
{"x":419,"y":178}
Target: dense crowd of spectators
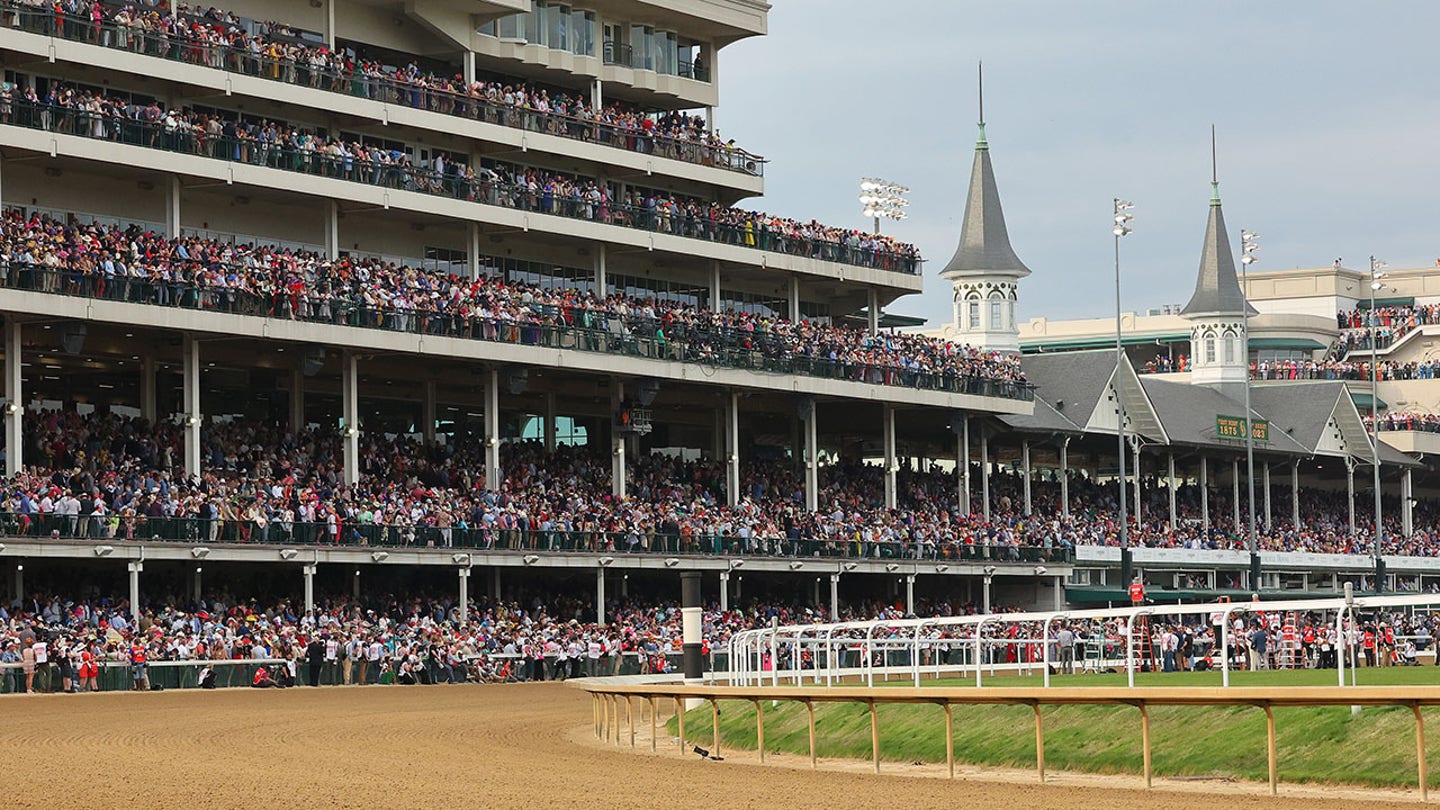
{"x":223,"y":40}
{"x":129,"y":264}
{"x":93,"y":113}
{"x":1425,"y":422}
{"x":1385,"y":325}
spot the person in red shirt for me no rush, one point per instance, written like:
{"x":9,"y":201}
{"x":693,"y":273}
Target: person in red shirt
{"x":1137,"y":592}
{"x":137,"y":664}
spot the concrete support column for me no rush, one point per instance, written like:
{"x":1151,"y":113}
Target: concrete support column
{"x":715,"y":305}
{"x":724,"y":591}
{"x":834,"y":597}
{"x":427,"y":412}
{"x":190,"y":370}
{"x":873,"y":311}
{"x":147,"y":389}
{"x":308,"y":571}
{"x":464,"y":594}
{"x":467,"y":67}
{"x":602,"y":281}
{"x":172,"y":207}
{"x":794,"y":299}
{"x":597,"y":94}
{"x":1170,"y":471}
{"x":909,"y":594}
{"x":549,"y":427}
{"x":14,"y":400}
{"x":962,"y":466}
{"x":1295,"y":494}
{"x":887,"y":430}
{"x":350,"y":416}
{"x":472,"y":249}
{"x":1059,"y":603}
{"x":493,"y":475}
{"x":135,"y":568}
{"x":1265,"y":481}
{"x":1407,"y":501}
{"x":1350,"y":491}
{"x":1025,"y":473}
{"x":332,"y":229}
{"x":1235,"y":493}
{"x":985,"y":475}
{"x":329,"y":25}
{"x":297,"y":401}
{"x":1204,"y":495}
{"x":691,"y":625}
{"x":1065,"y":477}
{"x":198,"y":591}
{"x":617,"y":442}
{"x":732,"y":448}
{"x":812,"y":458}
{"x":600,"y":596}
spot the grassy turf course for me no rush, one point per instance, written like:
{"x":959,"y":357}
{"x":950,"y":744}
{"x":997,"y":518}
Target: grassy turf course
{"x":1327,"y":744}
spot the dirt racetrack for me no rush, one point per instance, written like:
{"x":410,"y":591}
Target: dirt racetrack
{"x":472,"y":746}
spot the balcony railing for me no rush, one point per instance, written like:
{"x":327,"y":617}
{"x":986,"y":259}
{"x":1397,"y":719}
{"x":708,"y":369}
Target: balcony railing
{"x":371,"y":535}
{"x":697,"y":222}
{"x":384,"y":88}
{"x":593,"y":331}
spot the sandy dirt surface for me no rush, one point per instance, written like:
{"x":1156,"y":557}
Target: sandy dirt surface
{"x":480,"y":746}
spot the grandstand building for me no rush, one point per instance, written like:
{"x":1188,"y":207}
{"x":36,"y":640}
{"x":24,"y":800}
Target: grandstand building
{"x":507,"y":232}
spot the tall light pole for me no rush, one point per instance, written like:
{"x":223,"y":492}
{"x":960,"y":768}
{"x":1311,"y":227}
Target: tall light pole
{"x":1376,"y":273}
{"x":1123,"y":218}
{"x":1248,"y":248}
{"x":883,"y":200}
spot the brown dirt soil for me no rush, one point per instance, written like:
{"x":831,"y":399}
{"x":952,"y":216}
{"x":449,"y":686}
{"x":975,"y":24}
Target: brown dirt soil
{"x":478,"y":746}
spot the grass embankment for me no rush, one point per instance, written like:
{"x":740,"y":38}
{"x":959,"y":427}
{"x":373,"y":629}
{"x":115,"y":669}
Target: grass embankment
{"x":1326,"y":745}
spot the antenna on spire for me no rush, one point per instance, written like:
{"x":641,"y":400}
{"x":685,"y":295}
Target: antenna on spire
{"x":1214,"y":171}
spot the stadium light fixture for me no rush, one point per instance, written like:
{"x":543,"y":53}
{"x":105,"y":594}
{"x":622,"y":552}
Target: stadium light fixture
{"x":288,"y":553}
{"x":104,"y":551}
{"x":380,"y":556}
{"x":989,"y":570}
{"x":883,"y":199}
{"x":200,"y":552}
{"x":2,"y":547}
{"x":892,"y":567}
{"x":796,"y":565}
{"x":736,"y":563}
{"x":1249,"y":246}
{"x":850,"y":566}
{"x":942,"y":568}
{"x":1040,"y":570}
{"x":1377,"y":268}
{"x":460,"y":559}
{"x":606,"y":560}
{"x":531,"y":559}
{"x":1122,"y":218}
{"x":12,"y":407}
{"x":671,"y":562}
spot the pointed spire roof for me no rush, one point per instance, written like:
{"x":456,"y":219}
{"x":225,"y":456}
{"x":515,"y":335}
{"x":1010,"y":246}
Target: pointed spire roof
{"x":984,"y":242}
{"x":1217,"y":288}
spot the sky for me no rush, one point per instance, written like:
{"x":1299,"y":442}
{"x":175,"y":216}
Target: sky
{"x":1326,"y":117}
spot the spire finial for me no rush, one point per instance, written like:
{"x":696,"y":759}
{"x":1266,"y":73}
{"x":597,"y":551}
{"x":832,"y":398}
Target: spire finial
{"x":1214,"y":171}
{"x":980,"y":142}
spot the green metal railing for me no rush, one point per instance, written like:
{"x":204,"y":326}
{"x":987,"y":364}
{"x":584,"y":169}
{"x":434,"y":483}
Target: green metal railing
{"x":384,"y":88}
{"x":592,"y":331}
{"x":368,"y":535}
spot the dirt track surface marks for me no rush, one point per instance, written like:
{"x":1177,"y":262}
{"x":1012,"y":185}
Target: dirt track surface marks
{"x":477,"y":746}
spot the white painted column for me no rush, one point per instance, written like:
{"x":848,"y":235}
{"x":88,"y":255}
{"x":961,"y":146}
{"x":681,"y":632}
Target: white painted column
{"x":1407,"y":502}
{"x":1295,"y":494}
{"x":467,"y":67}
{"x":602,"y":280}
{"x":985,"y":475}
{"x":464,"y":594}
{"x":887,"y":430}
{"x":297,"y":401}
{"x":1204,"y":494}
{"x":834,"y":597}
{"x":329,"y":25}
{"x":597,"y":94}
{"x":873,"y":311}
{"x":732,"y":448}
{"x":332,"y":229}
{"x":427,"y":412}
{"x":308,"y":572}
{"x":549,"y":428}
{"x":794,"y":299}
{"x":1265,"y":480}
{"x":14,"y":399}
{"x":1350,"y":490}
{"x":812,"y":459}
{"x":135,"y":568}
{"x":147,"y":389}
{"x":962,"y":466}
{"x":1235,"y":494}
{"x":190,"y":370}
{"x":172,"y":207}
{"x":909,"y":594}
{"x":472,"y":249}
{"x":1065,"y":477}
{"x":1025,"y":473}
{"x":715,"y":305}
{"x":600,"y":596}
{"x":494,"y":477}
{"x":350,"y":416}
{"x":724,"y":591}
{"x":1170,"y":470}
{"x":618,"y":478}
{"x":1059,"y":603}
